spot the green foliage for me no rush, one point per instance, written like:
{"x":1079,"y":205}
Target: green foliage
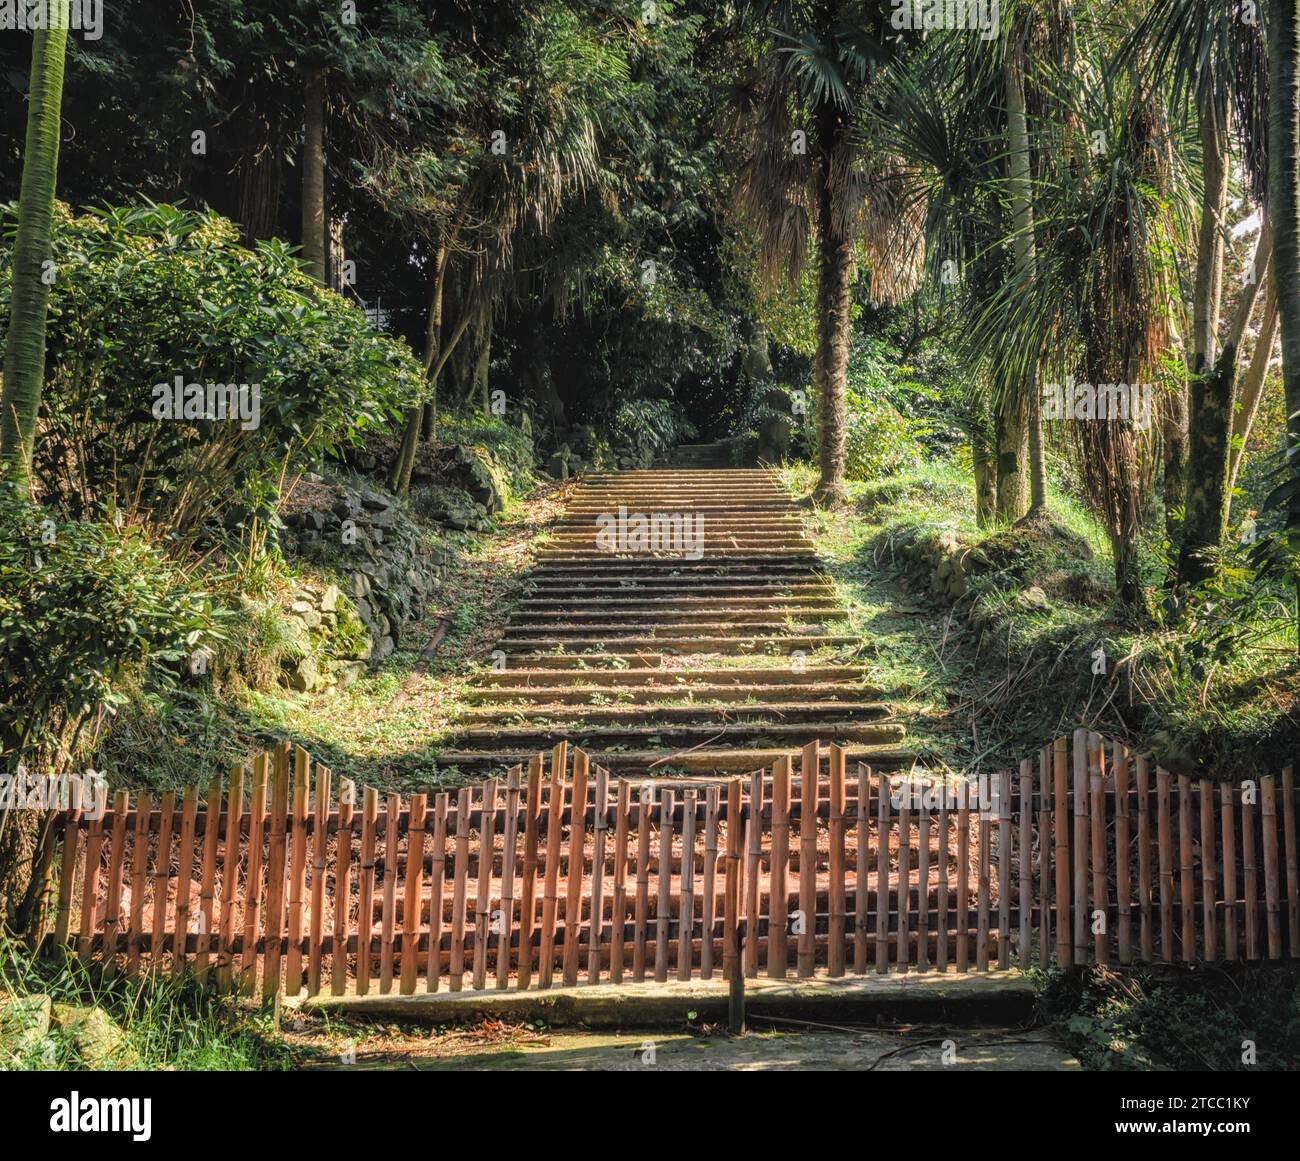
{"x":880,"y":439}
{"x":148,"y":293}
{"x":81,"y":605}
{"x":168,"y":1024}
{"x":649,"y":426}
{"x":1180,"y":1018}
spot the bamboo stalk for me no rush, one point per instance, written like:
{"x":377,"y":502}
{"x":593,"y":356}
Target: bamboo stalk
{"x":483,"y":899}
{"x":882,"y":877}
{"x":1165,"y":843}
{"x":91,"y":875}
{"x":509,"y":841}
{"x":460,"y":888}
{"x":1123,"y":854}
{"x":528,"y":889}
{"x":316,"y":915}
{"x":753,"y":838}
{"x":207,"y":881}
{"x":1292,"y":866}
{"x":437,"y":893}
{"x":640,"y":929}
{"x":184,"y":878}
{"x":116,"y":855}
{"x":836,"y":916}
{"x":664,"y":904}
{"x":1061,"y":828}
{"x":297,"y":870}
{"x":550,"y":884}
{"x":1186,"y":869}
{"x":809,"y":771}
{"x":708,"y":914}
{"x":1229,"y":828}
{"x":1004,"y":871}
{"x":162,"y":876}
{"x":1081,"y":846}
{"x":1272,"y":894}
{"x":984,"y":828}
{"x":366,"y":889}
{"x":1045,"y":885}
{"x":1250,"y":875}
{"x":778,"y":891}
{"x":253,"y":883}
{"x":963,"y":876}
{"x":731,"y":883}
{"x":412,"y":892}
{"x":941,"y":947}
{"x":1209,"y":879}
{"x":902,"y":943}
{"x":1026,"y":865}
{"x":576,"y":860}
{"x":686,"y":892}
{"x":342,"y":887}
{"x":600,"y":831}
{"x":1097,"y":813}
{"x":229,"y":879}
{"x":68,"y":863}
{"x":139,"y":865}
{"x":618,"y":908}
{"x":275,"y":872}
{"x":1146,"y":927}
{"x":388,"y":916}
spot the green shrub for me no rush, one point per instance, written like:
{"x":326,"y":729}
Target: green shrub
{"x":81,"y":604}
{"x":148,"y":294}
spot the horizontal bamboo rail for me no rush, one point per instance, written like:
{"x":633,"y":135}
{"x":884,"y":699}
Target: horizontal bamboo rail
{"x":560,"y":873}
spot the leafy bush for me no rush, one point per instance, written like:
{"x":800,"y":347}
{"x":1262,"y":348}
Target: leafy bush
{"x":148,"y":294}
{"x":880,"y":439}
{"x":80,"y":605}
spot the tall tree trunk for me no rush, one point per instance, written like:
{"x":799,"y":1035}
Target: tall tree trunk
{"x":1022,"y":213}
{"x":1208,"y":289}
{"x":1205,"y":519}
{"x":24,"y":362}
{"x":313,"y":175}
{"x":1284,"y":209}
{"x":834,"y":296}
{"x":1252,"y":386}
{"x":1012,"y":461}
{"x":986,"y":484}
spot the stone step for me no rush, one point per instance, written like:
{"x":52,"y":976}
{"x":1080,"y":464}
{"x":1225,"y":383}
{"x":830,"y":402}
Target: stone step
{"x":658,"y":676}
{"x":631,"y":697}
{"x":595,"y":736}
{"x":658,"y":761}
{"x":821,"y":711}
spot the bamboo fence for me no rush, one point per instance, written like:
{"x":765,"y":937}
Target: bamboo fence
{"x":561,"y":873}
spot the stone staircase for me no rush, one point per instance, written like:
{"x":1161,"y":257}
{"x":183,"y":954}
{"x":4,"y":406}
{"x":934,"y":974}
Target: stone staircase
{"x":676,"y":620}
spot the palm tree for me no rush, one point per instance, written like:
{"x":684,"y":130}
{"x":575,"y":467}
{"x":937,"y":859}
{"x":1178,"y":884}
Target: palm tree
{"x":24,"y":363}
{"x":1284,"y":208}
{"x":810,"y":177}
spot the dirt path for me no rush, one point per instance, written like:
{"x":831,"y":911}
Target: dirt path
{"x":709,"y":640}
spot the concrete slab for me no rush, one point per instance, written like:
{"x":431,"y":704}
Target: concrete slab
{"x":885,"y":1000}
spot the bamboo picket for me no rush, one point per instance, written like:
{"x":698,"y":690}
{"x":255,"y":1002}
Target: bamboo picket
{"x":266,"y":883}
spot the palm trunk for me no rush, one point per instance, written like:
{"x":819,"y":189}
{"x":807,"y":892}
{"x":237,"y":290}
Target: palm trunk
{"x":1284,"y":208}
{"x":1022,"y":212}
{"x":1013,"y":459}
{"x":834,"y":292}
{"x":313,"y":175}
{"x":24,"y":362}
{"x":1252,"y":386}
{"x":1205,"y":520}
